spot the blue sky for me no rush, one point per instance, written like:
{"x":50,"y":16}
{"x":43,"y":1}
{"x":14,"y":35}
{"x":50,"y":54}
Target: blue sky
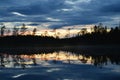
{"x":60,"y":13}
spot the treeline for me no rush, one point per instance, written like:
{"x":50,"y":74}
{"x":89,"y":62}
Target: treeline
{"x":28,"y":40}
{"x":100,"y":35}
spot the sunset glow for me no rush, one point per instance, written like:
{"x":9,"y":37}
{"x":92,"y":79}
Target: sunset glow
{"x":46,"y":31}
{"x":61,"y":56}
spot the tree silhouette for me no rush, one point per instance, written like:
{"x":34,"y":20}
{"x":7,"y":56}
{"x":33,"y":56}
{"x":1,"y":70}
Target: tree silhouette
{"x":69,"y":32}
{"x":23,"y":29}
{"x":3,"y":29}
{"x":83,"y":31}
{"x":95,"y":29}
{"x":58,"y":34}
{"x":34,"y":31}
{"x":8,"y":32}
{"x":100,"y":28}
{"x":15,"y":31}
{"x":2,"y":60}
{"x":46,"y":33}
{"x":55,"y":34}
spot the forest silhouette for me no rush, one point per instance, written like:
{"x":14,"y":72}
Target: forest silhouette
{"x":98,"y":36}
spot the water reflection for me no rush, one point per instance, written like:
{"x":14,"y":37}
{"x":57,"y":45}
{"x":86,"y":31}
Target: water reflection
{"x":60,"y":57}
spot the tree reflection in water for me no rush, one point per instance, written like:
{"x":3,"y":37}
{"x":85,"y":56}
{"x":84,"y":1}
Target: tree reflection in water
{"x":24,"y":60}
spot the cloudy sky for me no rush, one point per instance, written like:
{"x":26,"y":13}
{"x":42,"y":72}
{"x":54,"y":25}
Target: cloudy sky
{"x":59,"y":13}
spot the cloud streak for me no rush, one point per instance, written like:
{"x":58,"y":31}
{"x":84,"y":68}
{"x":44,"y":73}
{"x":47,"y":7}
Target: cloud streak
{"x":18,"y":14}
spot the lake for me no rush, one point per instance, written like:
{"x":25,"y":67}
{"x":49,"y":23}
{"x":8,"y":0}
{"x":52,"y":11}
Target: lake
{"x":64,"y":63}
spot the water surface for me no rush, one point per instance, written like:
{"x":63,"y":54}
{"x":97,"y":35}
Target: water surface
{"x":67,"y":64}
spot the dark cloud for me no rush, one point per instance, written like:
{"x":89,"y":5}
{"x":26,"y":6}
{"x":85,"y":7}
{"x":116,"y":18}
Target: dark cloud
{"x":69,"y":12}
{"x":4,"y":2}
{"x":33,"y":24}
{"x":113,"y":8}
{"x":57,"y":25}
{"x":39,"y":8}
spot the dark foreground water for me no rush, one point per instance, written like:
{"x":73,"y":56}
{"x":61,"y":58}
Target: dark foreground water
{"x":85,"y":63}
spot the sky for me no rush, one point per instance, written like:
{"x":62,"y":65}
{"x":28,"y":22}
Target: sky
{"x":59,"y":13}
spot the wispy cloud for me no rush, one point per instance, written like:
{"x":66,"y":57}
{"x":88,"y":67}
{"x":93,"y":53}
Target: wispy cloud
{"x":52,"y":19}
{"x":19,"y":14}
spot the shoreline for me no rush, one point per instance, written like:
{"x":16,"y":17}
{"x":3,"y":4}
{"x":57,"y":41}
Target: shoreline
{"x":82,"y":49}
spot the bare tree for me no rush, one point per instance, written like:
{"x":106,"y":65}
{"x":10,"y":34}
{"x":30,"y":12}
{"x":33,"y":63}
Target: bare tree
{"x":34,"y":31}
{"x":54,"y":30}
{"x":2,"y":29}
{"x":69,"y":32}
{"x":58,"y":35}
{"x":79,"y":33}
{"x":83,"y":31}
{"x":8,"y":32}
{"x":23,"y":29}
{"x":15,"y":31}
{"x":46,"y":33}
{"x":100,"y":28}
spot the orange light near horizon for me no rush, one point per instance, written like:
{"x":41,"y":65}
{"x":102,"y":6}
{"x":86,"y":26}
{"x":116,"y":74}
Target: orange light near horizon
{"x":61,"y":56}
{"x":61,"y":33}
